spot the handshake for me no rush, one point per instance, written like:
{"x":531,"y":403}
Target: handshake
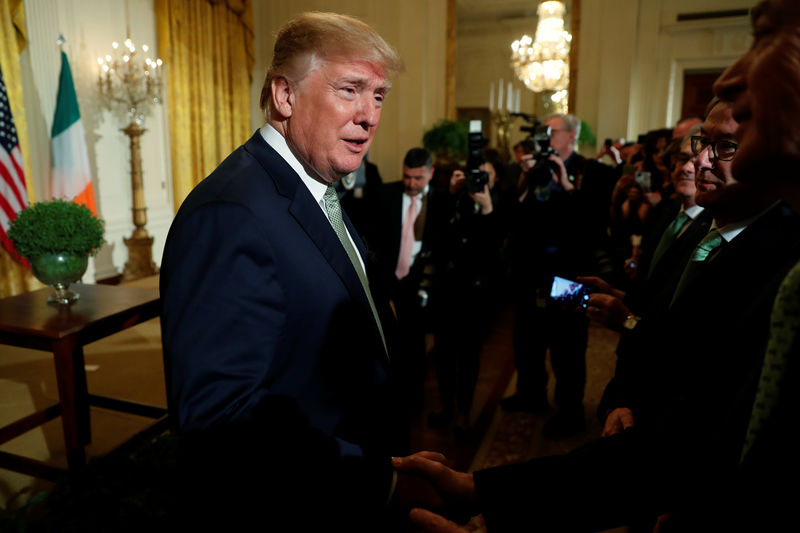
{"x":434,"y":493}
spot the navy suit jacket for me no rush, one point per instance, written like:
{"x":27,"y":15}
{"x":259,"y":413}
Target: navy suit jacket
{"x":272,"y":354}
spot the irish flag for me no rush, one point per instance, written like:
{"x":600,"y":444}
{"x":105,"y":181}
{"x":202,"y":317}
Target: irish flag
{"x":71,"y":177}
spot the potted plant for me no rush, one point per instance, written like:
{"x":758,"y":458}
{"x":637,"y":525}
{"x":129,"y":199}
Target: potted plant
{"x":447,"y":141}
{"x":57,"y":237}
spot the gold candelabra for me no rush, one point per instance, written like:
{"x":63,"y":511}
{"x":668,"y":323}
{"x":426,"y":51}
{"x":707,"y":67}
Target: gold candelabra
{"x":502,"y":120}
{"x":128,"y":85}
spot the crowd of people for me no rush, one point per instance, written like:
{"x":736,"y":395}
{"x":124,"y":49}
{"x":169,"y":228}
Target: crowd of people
{"x":295,"y":332}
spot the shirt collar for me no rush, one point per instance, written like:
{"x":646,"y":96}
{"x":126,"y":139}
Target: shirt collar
{"x":420,"y":195}
{"x":693,"y":212}
{"x":730,"y":231}
{"x":279,"y":144}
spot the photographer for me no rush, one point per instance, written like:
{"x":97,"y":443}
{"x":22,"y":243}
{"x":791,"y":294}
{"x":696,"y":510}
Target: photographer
{"x":469,"y":282}
{"x":553,"y":233}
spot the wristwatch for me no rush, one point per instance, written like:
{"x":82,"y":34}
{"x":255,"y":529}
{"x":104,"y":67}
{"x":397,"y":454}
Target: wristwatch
{"x":630,"y":321}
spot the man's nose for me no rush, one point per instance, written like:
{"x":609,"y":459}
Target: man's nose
{"x":705,"y":159}
{"x":368,"y":113}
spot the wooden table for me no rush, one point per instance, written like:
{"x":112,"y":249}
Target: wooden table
{"x":28,"y":321}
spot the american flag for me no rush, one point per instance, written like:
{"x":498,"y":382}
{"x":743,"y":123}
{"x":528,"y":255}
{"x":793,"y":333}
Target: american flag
{"x":13,"y":194}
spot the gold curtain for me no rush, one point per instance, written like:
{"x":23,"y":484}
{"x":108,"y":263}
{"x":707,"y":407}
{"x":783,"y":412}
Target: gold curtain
{"x":207,"y":47}
{"x":14,"y":278}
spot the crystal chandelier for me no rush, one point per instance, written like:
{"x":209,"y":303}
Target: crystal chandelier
{"x":124,"y":80}
{"x":543,"y":64}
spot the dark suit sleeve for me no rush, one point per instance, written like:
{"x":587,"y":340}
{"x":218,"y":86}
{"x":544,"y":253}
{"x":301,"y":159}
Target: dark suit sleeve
{"x":222,"y":316}
{"x":601,"y":485}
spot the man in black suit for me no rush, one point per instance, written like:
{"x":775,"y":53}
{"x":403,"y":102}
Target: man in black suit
{"x":701,"y":359}
{"x":277,"y":364}
{"x":763,"y":85}
{"x":412,"y":218}
{"x":664,"y":254}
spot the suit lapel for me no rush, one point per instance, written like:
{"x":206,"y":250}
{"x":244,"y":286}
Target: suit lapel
{"x":310,"y":217}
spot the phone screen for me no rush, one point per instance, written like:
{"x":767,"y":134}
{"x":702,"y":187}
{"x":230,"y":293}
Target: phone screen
{"x":643,"y":180}
{"x":569,"y":293}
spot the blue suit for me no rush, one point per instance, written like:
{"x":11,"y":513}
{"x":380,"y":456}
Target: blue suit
{"x":274,"y":363}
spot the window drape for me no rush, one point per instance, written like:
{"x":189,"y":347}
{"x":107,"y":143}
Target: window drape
{"x":14,"y":278}
{"x":207,"y":48}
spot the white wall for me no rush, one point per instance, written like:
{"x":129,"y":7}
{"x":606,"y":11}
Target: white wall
{"x":633,"y":55}
{"x":89,"y":28}
{"x":483,"y":53}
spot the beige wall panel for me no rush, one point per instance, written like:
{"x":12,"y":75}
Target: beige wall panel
{"x":483,"y":54}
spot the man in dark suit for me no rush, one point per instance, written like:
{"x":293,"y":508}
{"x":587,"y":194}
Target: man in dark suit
{"x":664,"y":254}
{"x":412,"y":218}
{"x":692,"y":395}
{"x":276,"y":361}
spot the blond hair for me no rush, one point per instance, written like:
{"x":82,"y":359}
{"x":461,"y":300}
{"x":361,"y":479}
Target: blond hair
{"x":314,"y":36}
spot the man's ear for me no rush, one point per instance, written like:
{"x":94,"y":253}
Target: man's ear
{"x":282,"y":96}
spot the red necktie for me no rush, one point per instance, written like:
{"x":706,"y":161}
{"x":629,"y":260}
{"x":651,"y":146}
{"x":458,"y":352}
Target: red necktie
{"x":407,"y":240}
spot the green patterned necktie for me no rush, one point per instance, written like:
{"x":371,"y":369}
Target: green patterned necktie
{"x":783,"y":338}
{"x":334,"y":210}
{"x":709,"y":242}
{"x":669,"y":236}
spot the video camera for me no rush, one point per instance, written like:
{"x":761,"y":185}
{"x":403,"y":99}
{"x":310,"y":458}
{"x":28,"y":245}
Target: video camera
{"x":476,"y":179}
{"x":540,"y":174}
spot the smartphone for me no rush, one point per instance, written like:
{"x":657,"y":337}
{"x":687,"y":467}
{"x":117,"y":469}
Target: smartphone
{"x":643,"y":180}
{"x":569,"y":293}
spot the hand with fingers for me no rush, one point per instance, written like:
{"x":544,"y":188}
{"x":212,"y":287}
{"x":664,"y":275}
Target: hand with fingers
{"x":607,"y":310}
{"x":434,"y":523}
{"x":600,"y":285}
{"x":617,"y":420}
{"x":457,"y":489}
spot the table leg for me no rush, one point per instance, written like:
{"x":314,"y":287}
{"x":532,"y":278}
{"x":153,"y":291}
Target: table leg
{"x":72,"y":393}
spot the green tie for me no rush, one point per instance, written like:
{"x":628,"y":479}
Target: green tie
{"x":331,"y":200}
{"x":709,"y":242}
{"x":783,"y":338}
{"x":667,"y":239}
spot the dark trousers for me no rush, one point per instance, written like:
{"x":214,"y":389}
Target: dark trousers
{"x":566,"y":333}
{"x":410,"y":363}
{"x":464,"y":321}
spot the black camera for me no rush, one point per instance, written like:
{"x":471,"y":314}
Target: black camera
{"x":540,"y":174}
{"x":476,"y":179}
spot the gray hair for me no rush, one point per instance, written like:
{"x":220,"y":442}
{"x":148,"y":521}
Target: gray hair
{"x":571,"y":122}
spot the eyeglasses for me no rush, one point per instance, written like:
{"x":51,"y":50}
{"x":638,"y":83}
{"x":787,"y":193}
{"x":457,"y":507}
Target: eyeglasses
{"x":722,"y":149}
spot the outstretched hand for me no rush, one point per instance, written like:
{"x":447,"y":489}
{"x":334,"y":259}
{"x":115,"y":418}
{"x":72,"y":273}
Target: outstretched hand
{"x":434,"y":523}
{"x":457,"y":489}
{"x":413,"y":489}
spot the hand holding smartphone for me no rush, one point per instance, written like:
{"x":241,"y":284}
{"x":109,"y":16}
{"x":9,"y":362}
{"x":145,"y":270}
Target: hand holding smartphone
{"x":568,"y":293}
